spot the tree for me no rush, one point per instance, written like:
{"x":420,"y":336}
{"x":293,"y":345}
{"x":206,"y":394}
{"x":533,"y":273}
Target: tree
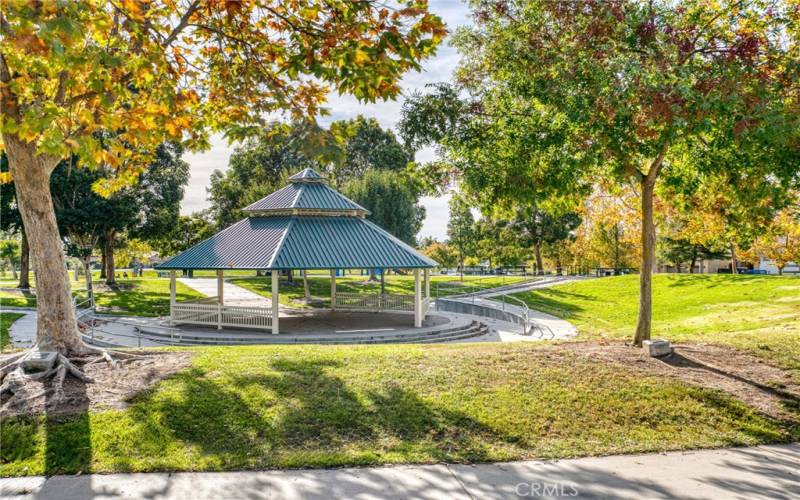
{"x":460,"y":232}
{"x":259,"y":166}
{"x":622,"y":90}
{"x":441,"y":253}
{"x":365,"y":146}
{"x":187,"y":231}
{"x":158,"y":196}
{"x":11,"y":221}
{"x":139,"y":73}
{"x":535,"y":227}
{"x":9,"y":256}
{"x":391,"y":200}
{"x":781,"y":241}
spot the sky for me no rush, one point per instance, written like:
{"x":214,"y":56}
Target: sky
{"x":436,"y":69}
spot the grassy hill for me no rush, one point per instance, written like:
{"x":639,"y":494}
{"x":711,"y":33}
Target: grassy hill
{"x":757,"y":313}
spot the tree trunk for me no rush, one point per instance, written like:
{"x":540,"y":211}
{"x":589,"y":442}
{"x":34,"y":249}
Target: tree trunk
{"x":103,"y":263}
{"x":537,"y":252}
{"x":643,"y":323}
{"x":56,"y":328}
{"x":372,"y":276}
{"x":87,"y":275}
{"x":24,"y":263}
{"x":780,"y":271}
{"x":733,"y":259}
{"x":693,"y":262}
{"x":111,"y":269}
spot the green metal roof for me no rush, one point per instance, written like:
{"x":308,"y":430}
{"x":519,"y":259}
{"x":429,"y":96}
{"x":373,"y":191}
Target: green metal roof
{"x":300,"y":242}
{"x":306,"y":196}
{"x":306,"y":175}
{"x":305,"y":225}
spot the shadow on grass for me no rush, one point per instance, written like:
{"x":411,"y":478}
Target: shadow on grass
{"x":710,"y":280}
{"x":790,"y":402}
{"x":299,"y":415}
{"x":555,"y":301}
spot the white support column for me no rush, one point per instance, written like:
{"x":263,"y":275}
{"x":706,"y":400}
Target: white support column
{"x":417,"y":300}
{"x":276,"y":278}
{"x":171,"y":295}
{"x":220,"y":286}
{"x":333,"y":289}
{"x":427,"y":277}
{"x":220,"y":298}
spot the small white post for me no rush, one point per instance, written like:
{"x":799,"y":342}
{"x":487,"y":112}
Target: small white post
{"x":417,"y":300}
{"x":276,"y":276}
{"x":220,"y":298}
{"x":333,"y":289}
{"x":220,"y":286}
{"x":171,"y":296}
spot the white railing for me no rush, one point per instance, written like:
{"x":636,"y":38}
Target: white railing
{"x":209,"y":314}
{"x":426,"y":306}
{"x":374,"y":302}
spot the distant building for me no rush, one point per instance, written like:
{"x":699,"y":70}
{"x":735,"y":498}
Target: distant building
{"x":769,"y":266}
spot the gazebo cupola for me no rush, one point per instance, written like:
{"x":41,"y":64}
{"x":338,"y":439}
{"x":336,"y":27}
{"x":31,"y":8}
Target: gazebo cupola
{"x":302,"y":226}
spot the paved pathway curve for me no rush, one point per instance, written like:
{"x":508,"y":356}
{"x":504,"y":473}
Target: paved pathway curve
{"x":23,"y":331}
{"x":545,"y":326}
{"x":737,"y":473}
{"x":234,"y":295}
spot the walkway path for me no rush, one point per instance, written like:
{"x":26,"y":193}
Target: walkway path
{"x":545,"y":326}
{"x":738,"y":473}
{"x":234,"y":295}
{"x":23,"y":331}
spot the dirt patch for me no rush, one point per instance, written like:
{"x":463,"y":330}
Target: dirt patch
{"x":113,"y":387}
{"x":767,"y":388}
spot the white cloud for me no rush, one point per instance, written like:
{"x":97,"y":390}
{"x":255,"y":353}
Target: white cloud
{"x":437,"y":69}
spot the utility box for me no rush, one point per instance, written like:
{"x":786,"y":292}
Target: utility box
{"x":657,"y":348}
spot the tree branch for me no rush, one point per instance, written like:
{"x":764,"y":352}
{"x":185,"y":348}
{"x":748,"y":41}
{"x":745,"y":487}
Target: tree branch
{"x":182,"y":23}
{"x":62,"y":87}
{"x":5,"y":74}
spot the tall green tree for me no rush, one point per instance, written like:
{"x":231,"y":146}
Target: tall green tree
{"x":141,"y":73}
{"x":11,"y":221}
{"x":461,"y":229}
{"x":536,"y":227}
{"x":186,"y":231}
{"x":158,"y":195}
{"x":365,"y":146}
{"x":621,"y":90}
{"x":261,"y":165}
{"x":391,"y":200}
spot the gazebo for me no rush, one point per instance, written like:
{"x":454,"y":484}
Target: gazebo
{"x":306,"y":225}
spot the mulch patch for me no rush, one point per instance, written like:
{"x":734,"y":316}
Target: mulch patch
{"x":113,"y":387}
{"x":767,"y":388}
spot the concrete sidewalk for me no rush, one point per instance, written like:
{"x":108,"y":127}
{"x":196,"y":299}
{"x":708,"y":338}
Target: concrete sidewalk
{"x":738,"y":473}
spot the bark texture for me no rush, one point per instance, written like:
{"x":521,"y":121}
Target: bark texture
{"x":644,"y":320}
{"x":24,"y":263}
{"x":56,"y":328}
{"x":648,"y":187}
{"x":537,"y":250}
{"x":108,"y":252}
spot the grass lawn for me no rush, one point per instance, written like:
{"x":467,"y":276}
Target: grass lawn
{"x":139,"y":296}
{"x":6,"y":320}
{"x":320,"y":287}
{"x":318,"y":406}
{"x":131,"y":296}
{"x":758,"y":313}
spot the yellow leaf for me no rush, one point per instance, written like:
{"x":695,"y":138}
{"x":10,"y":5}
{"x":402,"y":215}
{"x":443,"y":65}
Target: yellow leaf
{"x":5,"y":177}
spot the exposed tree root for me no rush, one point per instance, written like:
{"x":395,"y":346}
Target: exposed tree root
{"x":13,"y":376}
